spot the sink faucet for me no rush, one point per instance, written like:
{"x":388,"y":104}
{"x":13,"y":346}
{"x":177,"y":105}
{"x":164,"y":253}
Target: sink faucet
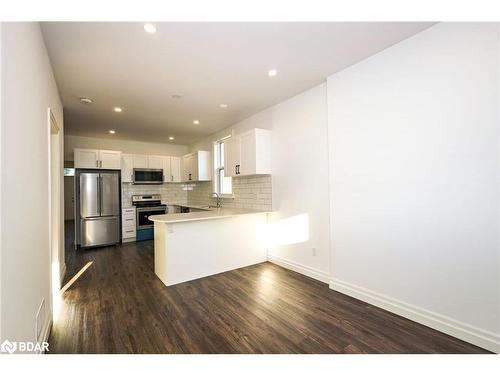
{"x":219,"y":199}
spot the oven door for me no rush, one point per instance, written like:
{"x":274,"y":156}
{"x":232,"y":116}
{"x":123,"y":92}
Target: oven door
{"x":148,"y":176}
{"x":143,"y":214}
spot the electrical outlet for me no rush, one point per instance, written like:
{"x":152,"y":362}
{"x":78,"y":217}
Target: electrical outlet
{"x":313,"y":251}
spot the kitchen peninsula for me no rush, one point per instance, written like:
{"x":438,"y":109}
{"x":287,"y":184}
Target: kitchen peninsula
{"x":192,"y":245}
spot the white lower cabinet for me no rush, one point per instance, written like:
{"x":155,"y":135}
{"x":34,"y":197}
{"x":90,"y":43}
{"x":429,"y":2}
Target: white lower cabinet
{"x":128,"y":224}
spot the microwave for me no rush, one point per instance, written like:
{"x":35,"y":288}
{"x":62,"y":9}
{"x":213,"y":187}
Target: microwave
{"x":146,"y":176}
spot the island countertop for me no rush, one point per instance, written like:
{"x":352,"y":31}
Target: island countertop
{"x":216,"y":213}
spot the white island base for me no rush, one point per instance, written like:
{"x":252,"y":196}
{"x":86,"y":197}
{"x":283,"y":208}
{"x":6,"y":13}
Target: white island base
{"x":198,"y":247}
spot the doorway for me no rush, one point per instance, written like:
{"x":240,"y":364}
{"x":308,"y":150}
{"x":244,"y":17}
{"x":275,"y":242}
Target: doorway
{"x":55,"y":217}
{"x":69,"y":193}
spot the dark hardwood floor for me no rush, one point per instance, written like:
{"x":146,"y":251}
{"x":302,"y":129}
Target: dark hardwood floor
{"x":119,"y":306}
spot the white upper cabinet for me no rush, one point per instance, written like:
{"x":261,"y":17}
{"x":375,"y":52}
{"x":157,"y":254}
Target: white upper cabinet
{"x":86,"y":158}
{"x":175,"y":169}
{"x":165,"y":165}
{"x":156,"y":162}
{"x":248,"y":153}
{"x":110,"y":159}
{"x":231,"y":156}
{"x":171,"y":166}
{"x":140,"y":161}
{"x":196,"y":166}
{"x":127,"y":167}
{"x":187,"y":168}
{"x":97,"y":159}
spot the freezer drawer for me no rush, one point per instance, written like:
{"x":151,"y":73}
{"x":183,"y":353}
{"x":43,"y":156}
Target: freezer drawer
{"x":100,"y":231}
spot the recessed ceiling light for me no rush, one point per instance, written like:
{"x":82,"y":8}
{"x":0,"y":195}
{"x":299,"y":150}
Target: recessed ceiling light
{"x":272,"y":72}
{"x":176,"y":96}
{"x":150,"y":28}
{"x":112,"y":132}
{"x":196,"y":122}
{"x":223,"y":105}
{"x":118,"y":109}
{"x":171,"y":138}
{"x":86,"y":100}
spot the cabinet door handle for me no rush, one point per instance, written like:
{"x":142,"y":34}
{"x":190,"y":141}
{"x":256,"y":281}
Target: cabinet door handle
{"x":97,"y":163}
{"x":236,"y":169}
{"x":172,"y":178}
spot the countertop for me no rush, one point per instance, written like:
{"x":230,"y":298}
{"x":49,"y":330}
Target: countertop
{"x":216,"y":213}
{"x":199,"y":207}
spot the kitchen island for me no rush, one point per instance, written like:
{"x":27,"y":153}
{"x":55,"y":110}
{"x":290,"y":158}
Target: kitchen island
{"x":206,"y":242}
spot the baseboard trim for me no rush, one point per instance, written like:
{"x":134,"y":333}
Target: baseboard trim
{"x":304,"y":270}
{"x":46,"y":332}
{"x":463,"y":331}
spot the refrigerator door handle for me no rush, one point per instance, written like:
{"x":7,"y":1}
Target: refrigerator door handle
{"x":99,"y":190}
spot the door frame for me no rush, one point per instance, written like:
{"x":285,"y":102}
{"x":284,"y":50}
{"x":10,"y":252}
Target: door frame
{"x":55,"y":215}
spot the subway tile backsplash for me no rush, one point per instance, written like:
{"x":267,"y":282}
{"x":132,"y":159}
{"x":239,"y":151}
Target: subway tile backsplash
{"x":170,"y":193}
{"x":252,"y":192}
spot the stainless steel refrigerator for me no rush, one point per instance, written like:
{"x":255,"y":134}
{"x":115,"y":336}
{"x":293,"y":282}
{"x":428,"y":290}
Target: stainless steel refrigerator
{"x":97,"y":207}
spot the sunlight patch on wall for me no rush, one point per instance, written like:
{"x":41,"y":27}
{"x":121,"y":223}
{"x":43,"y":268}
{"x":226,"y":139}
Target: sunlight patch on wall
{"x":291,"y":230}
{"x":56,"y":294}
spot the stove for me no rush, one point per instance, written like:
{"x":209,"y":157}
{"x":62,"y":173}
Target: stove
{"x":146,"y":206}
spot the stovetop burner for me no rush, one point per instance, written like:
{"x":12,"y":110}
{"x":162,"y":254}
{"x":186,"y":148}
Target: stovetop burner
{"x":151,"y":200}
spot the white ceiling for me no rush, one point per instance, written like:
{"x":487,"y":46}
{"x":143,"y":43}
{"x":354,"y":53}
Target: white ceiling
{"x":119,"y":64}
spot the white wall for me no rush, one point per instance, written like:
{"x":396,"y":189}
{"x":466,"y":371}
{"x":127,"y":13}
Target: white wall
{"x":414,"y":171}
{"x":28,"y":88}
{"x":1,"y":127}
{"x":131,"y":147}
{"x":299,"y":178}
